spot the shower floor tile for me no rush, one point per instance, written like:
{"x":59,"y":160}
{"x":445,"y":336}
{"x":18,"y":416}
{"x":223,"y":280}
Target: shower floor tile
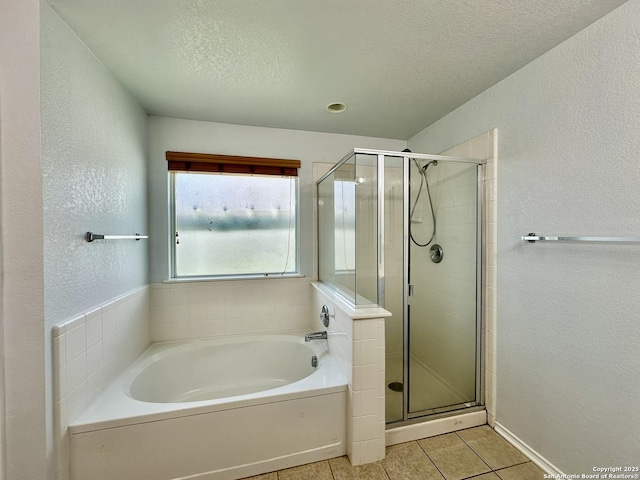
{"x":429,"y":390}
{"x":471,"y":453}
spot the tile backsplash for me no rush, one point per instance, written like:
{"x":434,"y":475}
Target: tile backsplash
{"x":185,"y":310}
{"x":90,"y":351}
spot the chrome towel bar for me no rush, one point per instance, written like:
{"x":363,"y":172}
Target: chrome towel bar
{"x":532,"y":237}
{"x":90,"y":237}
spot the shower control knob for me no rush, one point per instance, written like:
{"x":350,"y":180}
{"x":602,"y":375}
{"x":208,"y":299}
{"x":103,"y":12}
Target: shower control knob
{"x":436,"y":253}
{"x":324,"y":315}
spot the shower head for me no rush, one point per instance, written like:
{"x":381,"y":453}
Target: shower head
{"x":432,"y":162}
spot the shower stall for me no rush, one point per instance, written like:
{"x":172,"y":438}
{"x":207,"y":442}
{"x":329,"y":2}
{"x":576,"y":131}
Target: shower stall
{"x":403,"y":231}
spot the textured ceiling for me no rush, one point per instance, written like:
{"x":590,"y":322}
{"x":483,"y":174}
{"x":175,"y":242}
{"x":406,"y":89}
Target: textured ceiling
{"x":398,"y":64}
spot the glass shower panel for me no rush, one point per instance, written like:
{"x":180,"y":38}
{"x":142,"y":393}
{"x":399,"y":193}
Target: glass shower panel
{"x":366,"y":198}
{"x":442,"y":310}
{"x":337,"y":229}
{"x":394,"y":242}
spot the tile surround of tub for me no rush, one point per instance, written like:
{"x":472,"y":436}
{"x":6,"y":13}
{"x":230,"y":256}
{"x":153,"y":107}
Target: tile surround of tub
{"x":89,"y":352}
{"x":357,"y":341}
{"x":486,"y":146}
{"x":188,"y":310}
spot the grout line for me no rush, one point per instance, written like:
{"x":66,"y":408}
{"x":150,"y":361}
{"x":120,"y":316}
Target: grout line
{"x":483,"y":461}
{"x":384,"y":469}
{"x":474,"y":452}
{"x":514,"y":465}
{"x":333,"y":475}
{"x":480,"y":474}
{"x":430,"y":459}
{"x":382,"y":464}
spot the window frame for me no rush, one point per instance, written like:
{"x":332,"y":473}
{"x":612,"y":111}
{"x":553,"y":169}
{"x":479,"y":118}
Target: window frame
{"x":173,"y":222}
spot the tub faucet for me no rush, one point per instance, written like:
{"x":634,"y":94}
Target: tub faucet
{"x":315,"y":336}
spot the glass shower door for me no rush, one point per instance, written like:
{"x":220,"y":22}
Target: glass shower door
{"x":442,"y":329}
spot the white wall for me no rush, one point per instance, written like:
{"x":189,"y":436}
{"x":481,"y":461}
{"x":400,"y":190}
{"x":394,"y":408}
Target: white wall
{"x":94,"y":178}
{"x":170,"y":134}
{"x":94,"y":139}
{"x":25,"y":451}
{"x":567,"y":345}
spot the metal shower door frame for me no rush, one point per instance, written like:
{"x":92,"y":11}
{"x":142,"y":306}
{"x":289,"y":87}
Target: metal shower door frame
{"x":412,"y":417}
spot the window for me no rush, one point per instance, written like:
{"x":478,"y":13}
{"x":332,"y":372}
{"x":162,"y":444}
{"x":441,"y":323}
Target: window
{"x":233,"y":215}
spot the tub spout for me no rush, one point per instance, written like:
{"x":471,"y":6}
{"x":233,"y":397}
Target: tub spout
{"x":315,"y":336}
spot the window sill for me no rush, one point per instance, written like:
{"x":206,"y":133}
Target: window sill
{"x":227,"y":278}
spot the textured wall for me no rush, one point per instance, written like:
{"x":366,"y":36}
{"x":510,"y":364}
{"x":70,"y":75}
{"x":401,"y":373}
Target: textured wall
{"x":206,"y":137}
{"x":94,"y":169}
{"x":567,"y":345}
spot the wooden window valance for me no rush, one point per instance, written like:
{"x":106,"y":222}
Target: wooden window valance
{"x":212,"y":163}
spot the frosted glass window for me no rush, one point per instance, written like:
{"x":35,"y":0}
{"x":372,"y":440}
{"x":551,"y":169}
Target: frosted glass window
{"x":227,"y":224}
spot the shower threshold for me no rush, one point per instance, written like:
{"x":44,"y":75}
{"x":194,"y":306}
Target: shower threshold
{"x":433,"y":425}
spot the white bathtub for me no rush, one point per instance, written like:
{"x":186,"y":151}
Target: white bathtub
{"x":214,"y":409}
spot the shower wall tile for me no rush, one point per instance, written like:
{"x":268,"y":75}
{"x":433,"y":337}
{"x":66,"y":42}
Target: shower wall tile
{"x":92,"y":349}
{"x":479,"y":147}
{"x":189,"y":310}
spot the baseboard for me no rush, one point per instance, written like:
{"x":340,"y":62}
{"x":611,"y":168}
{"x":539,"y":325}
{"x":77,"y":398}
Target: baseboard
{"x":534,"y":456}
{"x":286,"y":461}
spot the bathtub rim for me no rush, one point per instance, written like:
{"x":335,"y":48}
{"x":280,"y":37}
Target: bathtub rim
{"x":113,"y":407}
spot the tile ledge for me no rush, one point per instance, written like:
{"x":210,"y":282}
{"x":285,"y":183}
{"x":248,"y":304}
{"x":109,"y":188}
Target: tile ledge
{"x":363,"y":313}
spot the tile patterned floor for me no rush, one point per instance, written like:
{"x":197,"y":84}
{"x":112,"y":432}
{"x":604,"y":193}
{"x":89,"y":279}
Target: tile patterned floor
{"x":478,"y":453}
